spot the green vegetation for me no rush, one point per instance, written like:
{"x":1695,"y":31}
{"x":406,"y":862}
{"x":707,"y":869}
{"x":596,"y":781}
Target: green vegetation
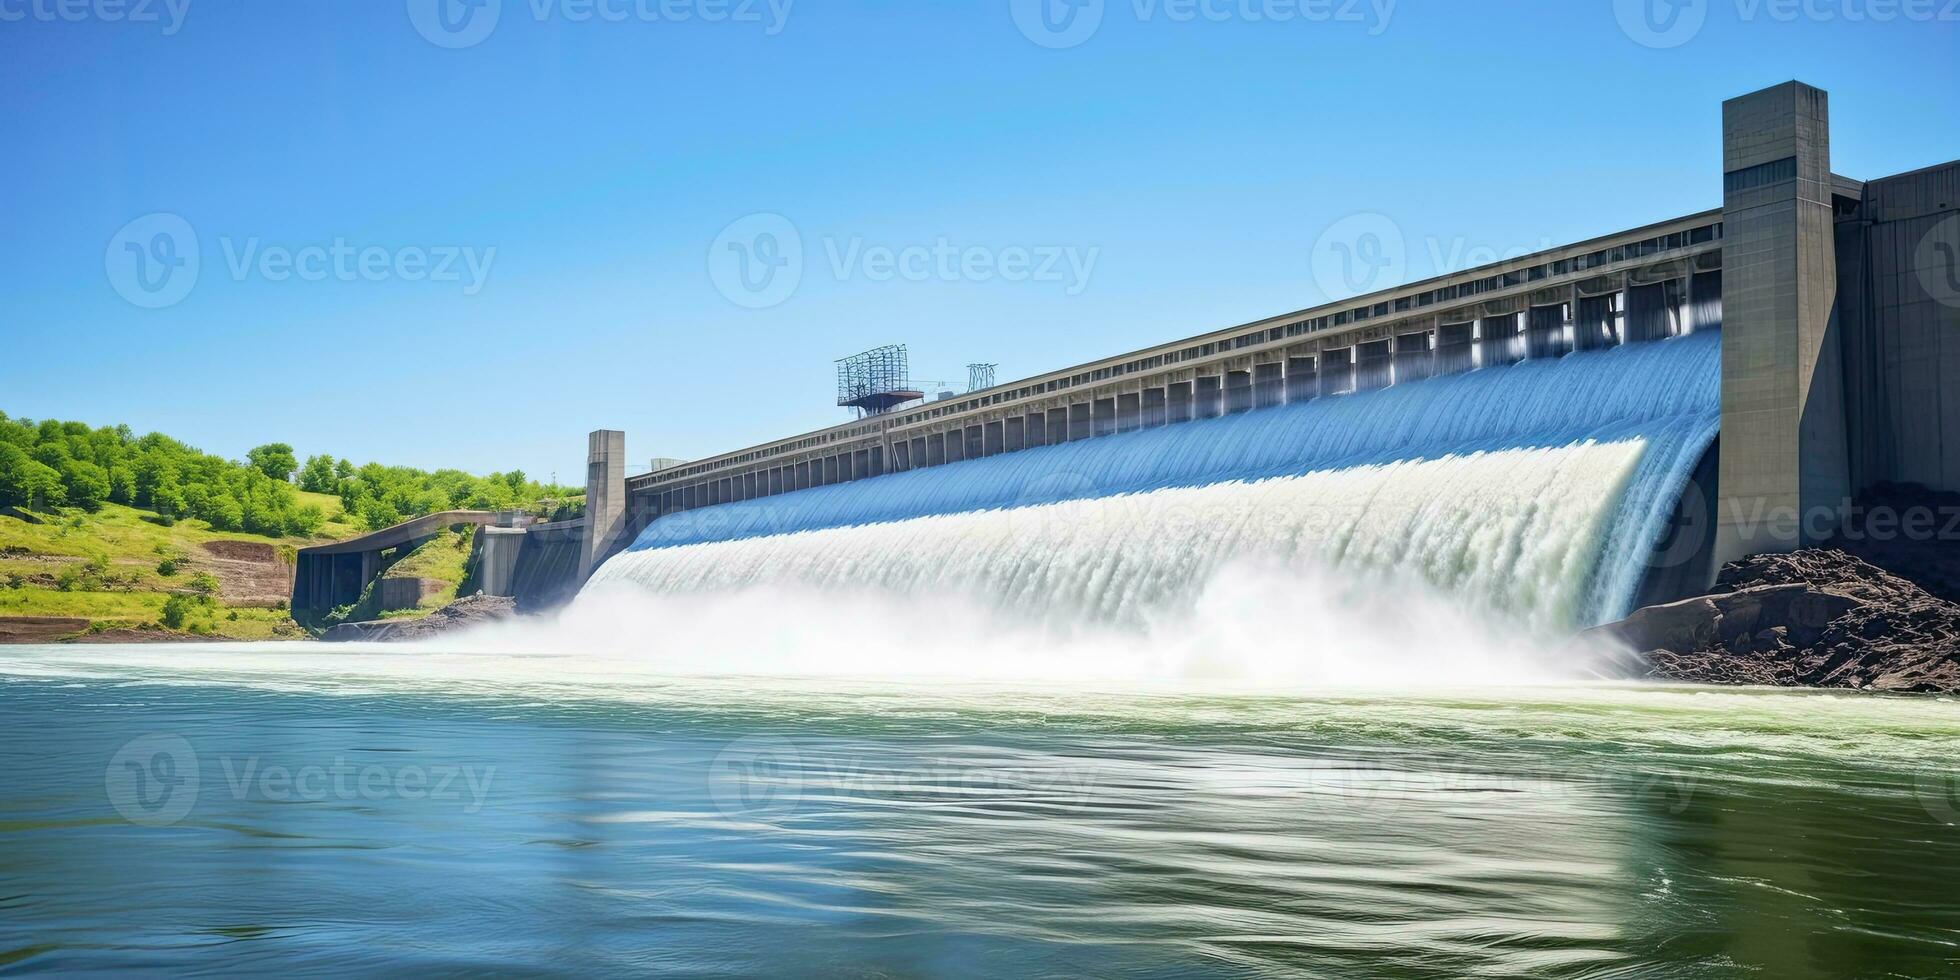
{"x":386,"y":495}
{"x":53,"y":464}
{"x":147,"y":533}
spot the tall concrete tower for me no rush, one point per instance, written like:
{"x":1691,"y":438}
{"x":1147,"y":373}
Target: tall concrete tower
{"x":1783,"y":459}
{"x":605,"y":497}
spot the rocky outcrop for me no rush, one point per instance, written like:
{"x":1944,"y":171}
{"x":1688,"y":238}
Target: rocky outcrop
{"x":1814,"y":618}
{"x":461,"y":614}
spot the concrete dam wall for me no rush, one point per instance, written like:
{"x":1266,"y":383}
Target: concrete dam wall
{"x":1810,"y":322}
{"x":1535,"y":489}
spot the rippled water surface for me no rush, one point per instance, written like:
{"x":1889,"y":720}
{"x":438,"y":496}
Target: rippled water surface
{"x":242,"y":809}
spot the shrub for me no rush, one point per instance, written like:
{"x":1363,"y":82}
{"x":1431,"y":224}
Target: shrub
{"x":204,"y":584}
{"x":175,"y":610}
{"x":169,"y":566}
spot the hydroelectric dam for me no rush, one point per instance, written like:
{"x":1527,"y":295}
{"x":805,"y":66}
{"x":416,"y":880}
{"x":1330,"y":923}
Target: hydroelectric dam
{"x":1554,"y":438}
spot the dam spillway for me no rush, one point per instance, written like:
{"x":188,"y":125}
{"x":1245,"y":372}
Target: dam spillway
{"x":1519,"y":435}
{"x":1534,"y":490}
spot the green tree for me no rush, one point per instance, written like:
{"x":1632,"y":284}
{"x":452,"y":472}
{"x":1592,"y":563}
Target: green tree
{"x":87,"y":484}
{"x":317,"y":475}
{"x":28,"y":482}
{"x":122,"y":485}
{"x":274,"y":459}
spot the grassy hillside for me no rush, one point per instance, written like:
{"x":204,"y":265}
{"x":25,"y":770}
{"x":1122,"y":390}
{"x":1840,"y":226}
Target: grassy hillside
{"x":119,"y":566}
{"x":108,"y":534}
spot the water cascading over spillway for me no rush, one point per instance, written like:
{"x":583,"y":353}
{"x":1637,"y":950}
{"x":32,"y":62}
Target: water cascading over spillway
{"x":1534,"y":491}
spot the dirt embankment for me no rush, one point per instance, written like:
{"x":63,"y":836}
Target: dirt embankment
{"x":250,"y":573}
{"x":1821,"y":617}
{"x":39,"y":629}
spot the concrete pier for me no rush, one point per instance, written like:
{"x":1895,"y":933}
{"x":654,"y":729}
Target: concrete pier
{"x":1783,"y":470}
{"x":605,"y":496}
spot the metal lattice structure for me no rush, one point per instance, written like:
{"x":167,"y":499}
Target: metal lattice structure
{"x":980,"y":376}
{"x":876,"y":381}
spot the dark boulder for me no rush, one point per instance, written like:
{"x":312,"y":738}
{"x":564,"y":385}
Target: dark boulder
{"x":1813,"y":618}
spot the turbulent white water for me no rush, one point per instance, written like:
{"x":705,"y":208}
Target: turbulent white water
{"x":1533,"y":492}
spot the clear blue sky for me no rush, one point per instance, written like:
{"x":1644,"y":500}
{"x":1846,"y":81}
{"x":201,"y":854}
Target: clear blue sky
{"x":1196,"y":160}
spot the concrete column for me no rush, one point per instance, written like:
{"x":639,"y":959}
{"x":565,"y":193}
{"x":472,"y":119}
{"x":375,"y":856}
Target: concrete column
{"x":1177,"y":402}
{"x":1079,"y":425}
{"x":1208,"y":397}
{"x":1784,"y":464}
{"x":1500,"y":340}
{"x":1037,"y":429}
{"x":605,"y":496}
{"x":1302,"y":380}
{"x":1337,"y":371}
{"x":1103,"y":416}
{"x":1544,"y":332}
{"x":1414,"y":357}
{"x":1238,"y":391}
{"x":1268,"y":385}
{"x":1129,"y":411}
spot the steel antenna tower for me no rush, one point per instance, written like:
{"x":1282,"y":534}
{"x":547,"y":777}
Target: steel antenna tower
{"x":875,"y":382}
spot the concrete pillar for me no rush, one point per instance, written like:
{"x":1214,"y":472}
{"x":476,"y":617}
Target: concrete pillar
{"x":1784,"y":467}
{"x":1103,"y":416}
{"x":1414,"y":358}
{"x":1372,"y":362}
{"x":1208,"y":397}
{"x":1337,"y":371}
{"x":605,"y":496}
{"x":1238,"y":391}
{"x":1079,"y":425}
{"x":1544,"y":332}
{"x":1268,"y":385}
{"x":1499,"y":340}
{"x":1177,"y":402}
{"x":1302,"y":380}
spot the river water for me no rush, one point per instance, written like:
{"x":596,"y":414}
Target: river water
{"x":258,"y":808}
